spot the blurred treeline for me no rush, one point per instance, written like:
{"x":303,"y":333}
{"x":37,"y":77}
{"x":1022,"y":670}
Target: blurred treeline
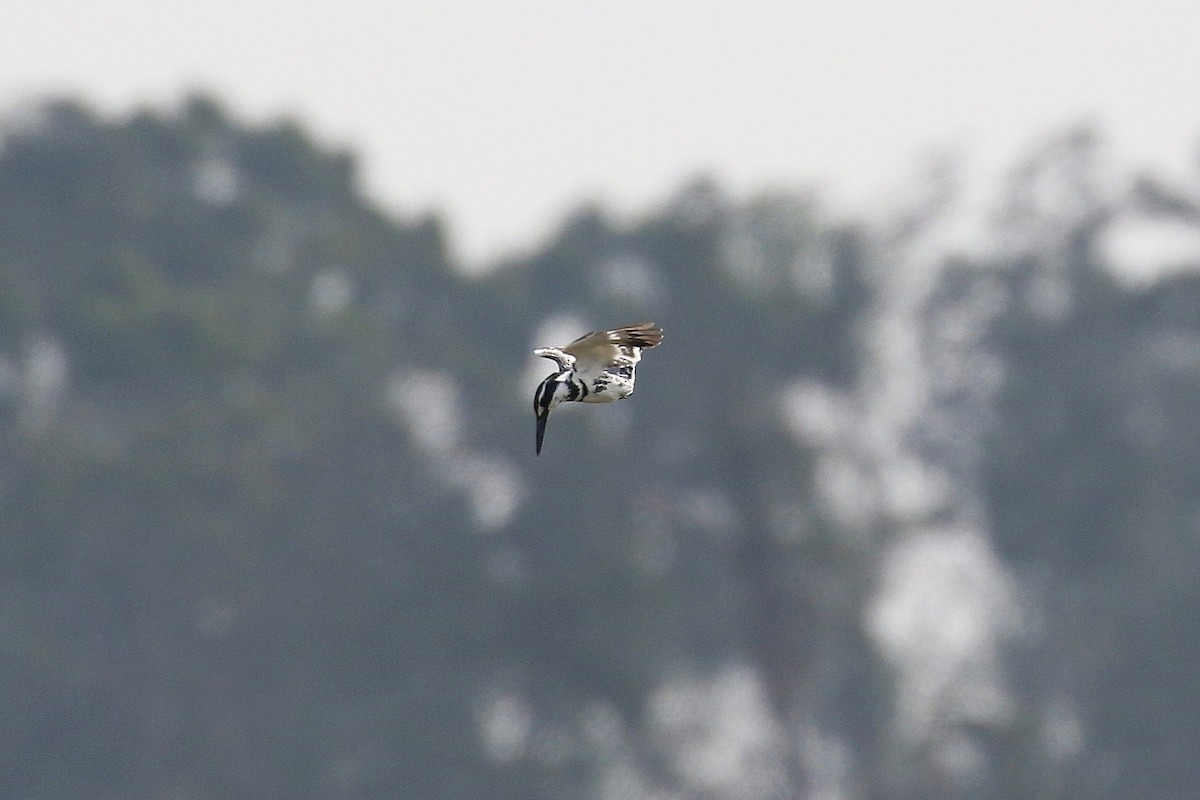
{"x":885,"y":519}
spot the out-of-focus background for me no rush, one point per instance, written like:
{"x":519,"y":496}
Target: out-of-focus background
{"x":907,"y":505}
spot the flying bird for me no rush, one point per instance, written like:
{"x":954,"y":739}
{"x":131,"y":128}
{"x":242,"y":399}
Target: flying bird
{"x":598,"y":367}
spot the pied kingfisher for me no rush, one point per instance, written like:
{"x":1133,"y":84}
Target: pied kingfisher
{"x":598,"y":367}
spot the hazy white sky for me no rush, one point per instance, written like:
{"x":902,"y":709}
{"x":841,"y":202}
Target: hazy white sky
{"x":505,"y":114}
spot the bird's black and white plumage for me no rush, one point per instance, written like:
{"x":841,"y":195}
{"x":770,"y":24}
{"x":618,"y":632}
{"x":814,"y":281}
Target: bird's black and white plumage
{"x":598,"y":367}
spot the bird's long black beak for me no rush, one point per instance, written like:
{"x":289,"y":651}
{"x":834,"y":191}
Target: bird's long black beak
{"x":541,"y":429}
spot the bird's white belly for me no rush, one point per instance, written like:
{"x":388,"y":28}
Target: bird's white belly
{"x":608,"y":387}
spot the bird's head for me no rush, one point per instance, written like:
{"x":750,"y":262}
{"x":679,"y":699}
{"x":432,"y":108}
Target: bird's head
{"x":549,"y":394}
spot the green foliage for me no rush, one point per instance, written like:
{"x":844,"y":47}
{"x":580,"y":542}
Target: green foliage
{"x":1103,"y":402}
{"x":273,"y":525}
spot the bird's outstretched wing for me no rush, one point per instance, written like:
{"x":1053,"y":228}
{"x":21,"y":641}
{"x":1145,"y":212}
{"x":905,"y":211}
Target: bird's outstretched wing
{"x":599,"y":349}
{"x":564,"y":360}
